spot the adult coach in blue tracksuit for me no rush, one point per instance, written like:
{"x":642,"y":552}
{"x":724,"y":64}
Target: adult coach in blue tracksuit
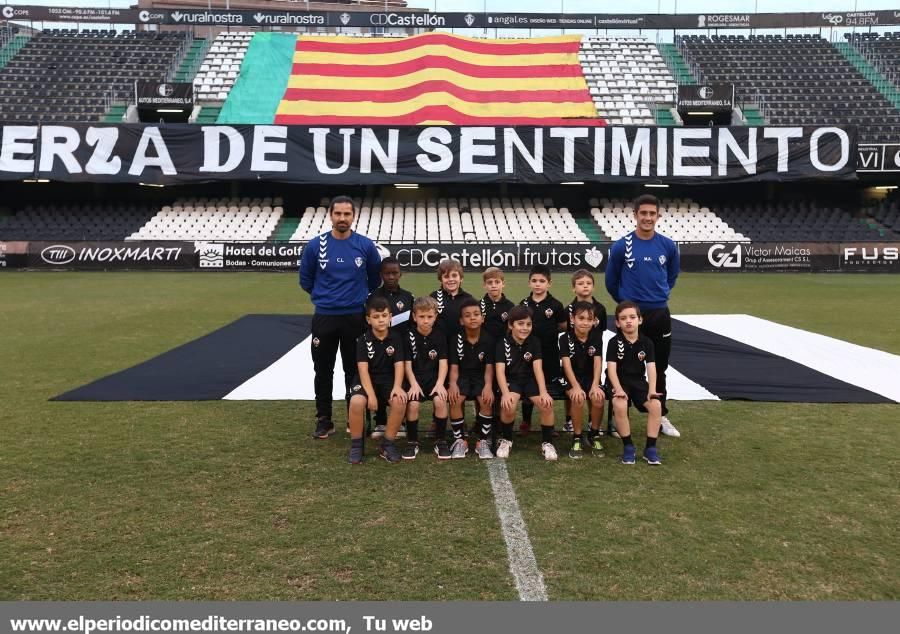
{"x":642,"y":268}
{"x":338,"y":269}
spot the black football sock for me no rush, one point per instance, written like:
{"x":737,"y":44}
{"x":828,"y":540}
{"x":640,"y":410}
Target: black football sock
{"x":456,"y":426}
{"x":412,"y":430}
{"x":527,"y":410}
{"x":626,"y":440}
{"x":547,"y":433}
{"x":440,"y":432}
{"x":507,"y":430}
{"x":651,"y":442}
{"x":485,"y":424}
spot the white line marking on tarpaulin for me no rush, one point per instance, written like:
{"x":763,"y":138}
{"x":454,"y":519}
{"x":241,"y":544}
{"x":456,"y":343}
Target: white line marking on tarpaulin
{"x":867,"y":368}
{"x":522,"y":563}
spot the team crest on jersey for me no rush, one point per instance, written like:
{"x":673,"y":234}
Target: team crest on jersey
{"x":591,"y":351}
{"x":316,"y":342}
{"x":400,"y":304}
{"x":662,"y":260}
{"x":359,"y":261}
{"x":527,"y":357}
{"x":642,"y":355}
{"x":481,"y":356}
{"x":432,"y":354}
{"x":504,"y":316}
{"x":549,"y":313}
{"x":389,"y":351}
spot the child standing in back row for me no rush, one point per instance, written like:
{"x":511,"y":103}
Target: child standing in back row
{"x":549,"y":318}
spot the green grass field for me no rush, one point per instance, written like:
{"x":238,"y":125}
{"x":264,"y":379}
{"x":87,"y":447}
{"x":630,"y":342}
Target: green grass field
{"x":234,"y":500}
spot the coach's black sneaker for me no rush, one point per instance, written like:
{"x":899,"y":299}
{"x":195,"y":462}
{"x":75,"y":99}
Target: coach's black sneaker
{"x":389,"y":451}
{"x":442,"y":451}
{"x":324,"y":429}
{"x":411,"y":451}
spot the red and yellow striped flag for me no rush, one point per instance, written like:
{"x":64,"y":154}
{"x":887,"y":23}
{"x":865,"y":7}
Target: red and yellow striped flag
{"x":437,"y":79}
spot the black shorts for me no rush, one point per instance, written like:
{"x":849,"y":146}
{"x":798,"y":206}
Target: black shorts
{"x":524,"y":388}
{"x":557,"y":387}
{"x":427,"y":387}
{"x":637,"y":391}
{"x":585,"y":383}
{"x":382,"y":391}
{"x":471,"y":387}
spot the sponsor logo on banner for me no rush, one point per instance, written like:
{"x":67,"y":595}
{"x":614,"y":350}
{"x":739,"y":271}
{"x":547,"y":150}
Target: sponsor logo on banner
{"x":470,"y":19}
{"x":407,"y":19}
{"x":878,"y":157}
{"x":211,"y":255}
{"x":299,"y":19}
{"x":724,"y":257}
{"x":58,"y":254}
{"x":834,"y":19}
{"x":147,"y":16}
{"x":593,"y":257}
{"x":206,"y":17}
{"x":345,"y":18}
{"x":870,"y":255}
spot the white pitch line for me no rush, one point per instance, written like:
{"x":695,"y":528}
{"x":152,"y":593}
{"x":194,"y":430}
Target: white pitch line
{"x":522,"y":563}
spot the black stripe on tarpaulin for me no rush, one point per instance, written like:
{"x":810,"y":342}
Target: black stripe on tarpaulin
{"x":205,"y":369}
{"x":736,"y":371}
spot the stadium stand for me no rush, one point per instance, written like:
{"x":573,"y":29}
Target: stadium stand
{"x":627,"y":78}
{"x":452,"y":220}
{"x":682,"y":220}
{"x":67,"y":75}
{"x":887,"y":214}
{"x":880,"y":50}
{"x":74,"y":222}
{"x":220,"y":68}
{"x":800,"y":221}
{"x":239,"y":219}
{"x":794,"y":79}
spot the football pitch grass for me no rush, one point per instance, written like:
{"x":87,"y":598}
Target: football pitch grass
{"x":234,"y":500}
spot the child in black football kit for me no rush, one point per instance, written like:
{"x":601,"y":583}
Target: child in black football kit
{"x":472,"y":378}
{"x":520,"y":375}
{"x":583,"y":287}
{"x":426,"y":373}
{"x":379,"y":379}
{"x":628,"y":356}
{"x":400,"y":302}
{"x":581,"y":355}
{"x":494,"y":305}
{"x":549,"y":318}
{"x":449,"y":297}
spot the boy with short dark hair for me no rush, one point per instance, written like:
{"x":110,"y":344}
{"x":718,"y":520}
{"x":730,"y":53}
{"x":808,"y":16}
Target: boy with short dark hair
{"x":400,"y":302}
{"x":520,"y":375}
{"x":472,"y":378}
{"x":378,"y":379}
{"x":581,"y":355}
{"x":494,"y":305}
{"x":583,"y":287}
{"x":549,"y":318}
{"x":628,"y":356}
{"x":426,"y":373}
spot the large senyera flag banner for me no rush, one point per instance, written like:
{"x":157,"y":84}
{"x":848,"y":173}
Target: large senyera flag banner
{"x":437,"y":79}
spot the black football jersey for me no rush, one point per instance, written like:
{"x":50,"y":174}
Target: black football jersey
{"x":400,"y":300}
{"x":448,"y":311}
{"x":380,"y":354}
{"x":495,"y":315}
{"x":546,"y":316}
{"x":425,"y":351}
{"x":630,"y":358}
{"x":518,"y":357}
{"x":581,"y":354}
{"x":472,"y":357}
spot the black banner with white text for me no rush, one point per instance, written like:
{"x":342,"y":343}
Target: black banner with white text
{"x":725,"y":257}
{"x":183,"y":153}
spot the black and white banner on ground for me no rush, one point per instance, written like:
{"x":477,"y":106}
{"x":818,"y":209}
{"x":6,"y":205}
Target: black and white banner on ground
{"x":424,"y":257}
{"x":446,"y":20}
{"x":268,"y":357}
{"x":183,"y":153}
